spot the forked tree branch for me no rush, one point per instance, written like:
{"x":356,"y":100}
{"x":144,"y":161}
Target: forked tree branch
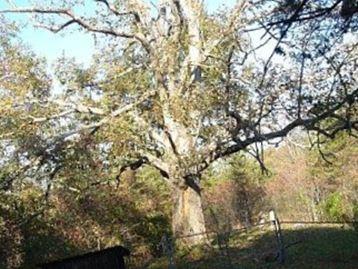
{"x":117,"y":13}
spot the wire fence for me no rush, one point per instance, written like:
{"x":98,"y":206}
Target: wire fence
{"x":271,"y":244}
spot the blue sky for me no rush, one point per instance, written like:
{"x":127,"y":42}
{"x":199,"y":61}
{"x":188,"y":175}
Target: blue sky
{"x":76,"y":44}
{"x":49,"y":45}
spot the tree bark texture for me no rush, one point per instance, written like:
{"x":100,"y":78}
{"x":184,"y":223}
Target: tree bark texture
{"x":188,"y":217}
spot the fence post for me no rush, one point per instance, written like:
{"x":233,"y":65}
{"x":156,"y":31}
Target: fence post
{"x":168,"y":249}
{"x":281,"y":255}
{"x":224,"y":248}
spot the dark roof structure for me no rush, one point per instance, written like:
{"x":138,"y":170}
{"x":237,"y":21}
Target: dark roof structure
{"x":110,"y":258}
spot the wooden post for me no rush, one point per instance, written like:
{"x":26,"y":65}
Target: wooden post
{"x":223,"y":244}
{"x":281,"y":255}
{"x":168,"y":249}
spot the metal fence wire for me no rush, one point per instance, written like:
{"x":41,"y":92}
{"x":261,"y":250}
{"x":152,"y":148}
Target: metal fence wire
{"x":272,"y":244}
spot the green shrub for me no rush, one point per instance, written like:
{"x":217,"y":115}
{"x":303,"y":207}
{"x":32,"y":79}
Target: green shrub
{"x":333,"y":207}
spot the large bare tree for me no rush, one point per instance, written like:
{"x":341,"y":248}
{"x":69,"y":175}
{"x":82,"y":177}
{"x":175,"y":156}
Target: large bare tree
{"x":177,"y":88}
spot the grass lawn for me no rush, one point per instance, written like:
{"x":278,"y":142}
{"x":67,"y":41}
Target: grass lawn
{"x":308,"y":247}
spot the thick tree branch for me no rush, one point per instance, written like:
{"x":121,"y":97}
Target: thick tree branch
{"x":308,"y":123}
{"x":107,"y":119}
{"x":73,"y":19}
{"x":79,"y":108}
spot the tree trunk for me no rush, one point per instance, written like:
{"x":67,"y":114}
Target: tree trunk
{"x":188,"y":217}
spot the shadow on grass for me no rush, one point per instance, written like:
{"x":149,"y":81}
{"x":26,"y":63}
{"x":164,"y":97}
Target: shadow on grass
{"x":306,"y":248}
{"x":41,"y":248}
